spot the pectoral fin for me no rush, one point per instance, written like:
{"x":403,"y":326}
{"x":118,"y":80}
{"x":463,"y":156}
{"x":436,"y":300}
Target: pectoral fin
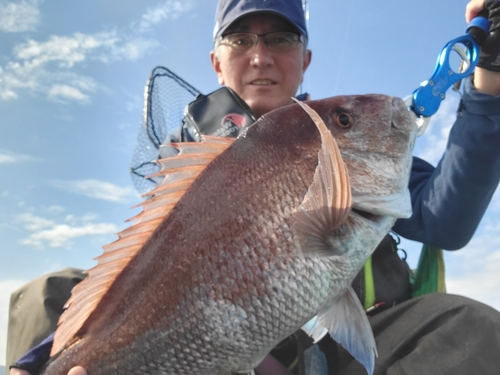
{"x":327,"y":203}
{"x":347,"y":324}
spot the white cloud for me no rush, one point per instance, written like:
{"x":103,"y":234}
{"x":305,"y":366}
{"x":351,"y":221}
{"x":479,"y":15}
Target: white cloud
{"x":55,"y":209}
{"x":171,"y":9}
{"x":7,"y":158}
{"x":59,"y":235}
{"x":53,"y":234}
{"x":6,"y":288}
{"x":48,"y":67}
{"x":8,"y":94}
{"x":133,"y":49}
{"x":65,"y":50}
{"x":98,"y":189}
{"x":481,"y":283}
{"x":34,"y":223}
{"x":473,"y":270}
{"x":495,"y":201}
{"x":62,"y":92}
{"x":68,"y":51}
{"x":19,"y":16}
{"x":45,"y":67}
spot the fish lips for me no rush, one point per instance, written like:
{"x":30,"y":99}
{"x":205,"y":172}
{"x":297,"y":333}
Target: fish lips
{"x":396,"y":205}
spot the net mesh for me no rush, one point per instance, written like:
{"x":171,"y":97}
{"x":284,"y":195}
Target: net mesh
{"x":165,"y":98}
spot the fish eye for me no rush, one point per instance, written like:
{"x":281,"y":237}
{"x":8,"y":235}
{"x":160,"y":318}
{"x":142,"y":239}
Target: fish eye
{"x":343,"y":119}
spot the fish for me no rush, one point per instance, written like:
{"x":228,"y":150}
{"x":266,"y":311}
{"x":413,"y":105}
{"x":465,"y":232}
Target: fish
{"x":244,"y":242}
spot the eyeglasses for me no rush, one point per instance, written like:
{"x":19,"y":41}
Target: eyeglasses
{"x":280,"y":41}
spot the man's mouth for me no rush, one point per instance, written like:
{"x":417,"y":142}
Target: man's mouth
{"x":263,"y":82}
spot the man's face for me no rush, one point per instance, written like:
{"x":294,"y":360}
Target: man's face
{"x":265,"y":80}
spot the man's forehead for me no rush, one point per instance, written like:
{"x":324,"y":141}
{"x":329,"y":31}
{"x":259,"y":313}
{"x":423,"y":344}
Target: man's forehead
{"x":272,"y":21}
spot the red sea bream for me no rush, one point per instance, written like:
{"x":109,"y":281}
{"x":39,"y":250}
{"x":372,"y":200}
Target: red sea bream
{"x":246,"y":241}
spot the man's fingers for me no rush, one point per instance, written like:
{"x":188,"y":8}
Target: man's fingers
{"x":473,"y":8}
{"x":16,"y":371}
{"x":78,"y":370}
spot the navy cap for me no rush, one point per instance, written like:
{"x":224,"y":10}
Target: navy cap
{"x":230,"y":10}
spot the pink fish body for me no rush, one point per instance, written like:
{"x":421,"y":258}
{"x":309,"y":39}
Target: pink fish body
{"x":243,"y":243}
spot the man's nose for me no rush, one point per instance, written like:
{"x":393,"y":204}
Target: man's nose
{"x":261,"y":55}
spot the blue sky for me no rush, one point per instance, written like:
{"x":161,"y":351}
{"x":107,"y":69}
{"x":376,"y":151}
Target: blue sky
{"x":72,"y":77}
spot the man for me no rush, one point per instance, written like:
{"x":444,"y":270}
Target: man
{"x":261,"y":53}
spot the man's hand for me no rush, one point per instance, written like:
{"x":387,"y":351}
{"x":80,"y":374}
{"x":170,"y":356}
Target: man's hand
{"x":78,"y":370}
{"x":16,"y":371}
{"x":487,"y":73}
{"x":472,"y":9}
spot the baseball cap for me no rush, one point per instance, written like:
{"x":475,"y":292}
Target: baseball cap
{"x":229,"y":11}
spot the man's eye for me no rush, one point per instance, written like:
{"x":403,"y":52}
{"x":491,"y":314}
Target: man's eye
{"x":279,"y":40}
{"x":241,"y":42}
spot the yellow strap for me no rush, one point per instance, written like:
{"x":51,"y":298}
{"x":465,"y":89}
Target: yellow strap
{"x":442,"y":273}
{"x":369,"y":285}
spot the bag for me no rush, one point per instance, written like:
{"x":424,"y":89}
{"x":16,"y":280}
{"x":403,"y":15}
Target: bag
{"x":221,"y":113}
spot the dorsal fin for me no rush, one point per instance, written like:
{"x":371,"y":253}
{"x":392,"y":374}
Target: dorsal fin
{"x":178,"y":173}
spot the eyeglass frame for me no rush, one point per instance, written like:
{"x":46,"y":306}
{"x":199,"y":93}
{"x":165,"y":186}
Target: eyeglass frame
{"x":301,"y":39}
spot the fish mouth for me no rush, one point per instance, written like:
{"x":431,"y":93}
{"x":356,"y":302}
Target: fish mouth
{"x":367,"y":215}
{"x":378,"y":223}
{"x":372,"y":220}
{"x":397,"y":205}
{"x":375,"y":220}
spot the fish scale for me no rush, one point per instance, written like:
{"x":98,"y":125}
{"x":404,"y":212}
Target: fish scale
{"x":259,"y":241}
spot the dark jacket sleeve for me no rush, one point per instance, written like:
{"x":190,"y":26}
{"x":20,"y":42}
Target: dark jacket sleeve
{"x":35,"y":358}
{"x":449,"y":201}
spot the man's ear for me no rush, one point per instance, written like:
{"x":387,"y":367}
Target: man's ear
{"x":307,"y":60}
{"x":216,"y":66}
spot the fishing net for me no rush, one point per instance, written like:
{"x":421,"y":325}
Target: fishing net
{"x":166,"y":95}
